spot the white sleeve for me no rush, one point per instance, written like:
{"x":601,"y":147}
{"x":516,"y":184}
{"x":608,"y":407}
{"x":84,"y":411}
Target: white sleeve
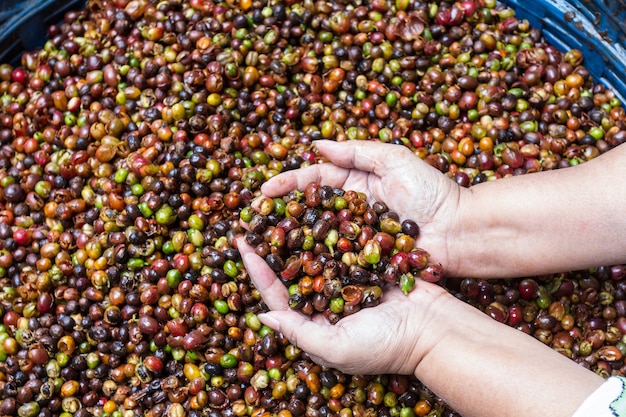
{"x":609,"y":400}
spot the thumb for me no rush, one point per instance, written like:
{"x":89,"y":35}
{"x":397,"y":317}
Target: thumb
{"x":308,"y":335}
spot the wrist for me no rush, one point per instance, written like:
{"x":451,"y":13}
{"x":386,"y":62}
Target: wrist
{"x":479,"y":236}
{"x":437,"y":310}
{"x":441,"y":237}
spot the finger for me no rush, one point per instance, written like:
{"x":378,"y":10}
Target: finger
{"x":327,"y":174}
{"x":273,"y":292}
{"x":244,"y":225}
{"x":369,"y":156}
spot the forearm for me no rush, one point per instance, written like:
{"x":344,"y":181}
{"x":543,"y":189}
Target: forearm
{"x":545,"y":222}
{"x":483,"y":368}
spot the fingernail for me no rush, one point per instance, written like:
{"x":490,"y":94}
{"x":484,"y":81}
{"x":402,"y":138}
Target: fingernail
{"x":237,"y":240}
{"x":269,"y":321}
{"x":255,"y":203}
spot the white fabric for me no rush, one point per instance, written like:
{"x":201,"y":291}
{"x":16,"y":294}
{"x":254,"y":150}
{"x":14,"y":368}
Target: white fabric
{"x":609,"y":400}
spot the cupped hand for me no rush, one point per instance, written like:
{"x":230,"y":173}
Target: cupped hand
{"x":388,"y":173}
{"x":392,"y":337}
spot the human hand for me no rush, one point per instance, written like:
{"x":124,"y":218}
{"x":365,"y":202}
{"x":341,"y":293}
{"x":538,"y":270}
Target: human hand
{"x":389,"y":338}
{"x":391,"y":174}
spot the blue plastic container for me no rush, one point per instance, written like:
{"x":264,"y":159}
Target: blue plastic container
{"x":596,"y":27}
{"x":24,"y":24}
